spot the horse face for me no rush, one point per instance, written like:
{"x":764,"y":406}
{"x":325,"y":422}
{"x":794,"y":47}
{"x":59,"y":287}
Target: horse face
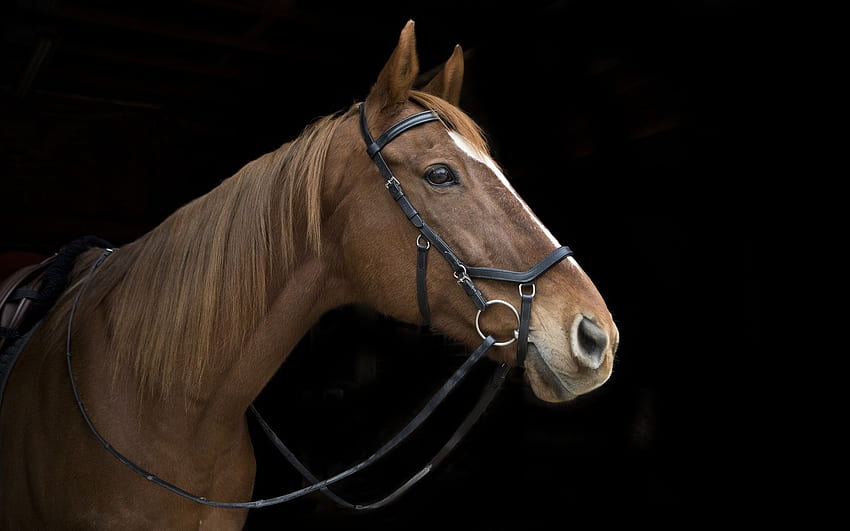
{"x":461,"y":192}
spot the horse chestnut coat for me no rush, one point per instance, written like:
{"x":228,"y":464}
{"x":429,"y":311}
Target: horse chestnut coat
{"x":177,"y":332}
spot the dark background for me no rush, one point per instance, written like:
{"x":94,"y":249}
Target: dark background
{"x":635,"y":130}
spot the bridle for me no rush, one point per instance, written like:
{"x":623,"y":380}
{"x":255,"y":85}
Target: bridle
{"x":464,"y":275}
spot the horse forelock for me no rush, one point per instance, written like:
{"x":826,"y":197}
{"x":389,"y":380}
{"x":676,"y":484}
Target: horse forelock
{"x":454,"y":119}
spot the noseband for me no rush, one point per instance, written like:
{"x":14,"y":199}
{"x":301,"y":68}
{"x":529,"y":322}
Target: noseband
{"x":463,"y":273}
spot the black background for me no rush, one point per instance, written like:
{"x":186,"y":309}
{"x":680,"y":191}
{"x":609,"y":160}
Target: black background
{"x":635,"y":130}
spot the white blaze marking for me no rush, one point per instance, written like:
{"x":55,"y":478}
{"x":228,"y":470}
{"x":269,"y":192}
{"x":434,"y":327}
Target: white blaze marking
{"x":475,"y":154}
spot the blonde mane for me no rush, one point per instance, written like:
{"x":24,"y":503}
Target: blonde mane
{"x":187,"y":295}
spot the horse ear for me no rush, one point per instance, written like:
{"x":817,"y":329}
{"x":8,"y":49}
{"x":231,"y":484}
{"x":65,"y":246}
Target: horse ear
{"x":448,"y":81}
{"x":397,"y":77}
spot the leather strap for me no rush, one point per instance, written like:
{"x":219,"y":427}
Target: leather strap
{"x":459,"y":268}
{"x":524,"y":323}
{"x":421,"y":281}
{"x":519,"y":277}
{"x":18,"y":292}
{"x":394,"y":130}
{"x":472,"y":417}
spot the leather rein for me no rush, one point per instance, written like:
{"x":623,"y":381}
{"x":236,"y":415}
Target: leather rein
{"x":464,"y":275}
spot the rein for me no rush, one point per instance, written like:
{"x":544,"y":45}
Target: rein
{"x":412,"y":425}
{"x":463,"y":274}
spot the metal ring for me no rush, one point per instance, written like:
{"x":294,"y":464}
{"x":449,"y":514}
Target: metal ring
{"x":478,"y":326}
{"x":427,"y":242}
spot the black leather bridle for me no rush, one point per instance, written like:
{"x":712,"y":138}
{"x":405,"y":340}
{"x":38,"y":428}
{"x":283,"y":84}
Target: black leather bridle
{"x":463,"y":274}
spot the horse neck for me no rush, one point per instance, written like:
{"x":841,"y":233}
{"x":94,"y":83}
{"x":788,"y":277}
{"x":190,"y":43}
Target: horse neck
{"x":163,"y":364}
{"x":308,"y":292}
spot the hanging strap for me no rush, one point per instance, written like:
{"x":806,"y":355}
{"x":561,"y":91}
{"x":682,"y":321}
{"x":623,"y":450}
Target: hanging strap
{"x":524,"y":321}
{"x":472,"y":417}
{"x":421,"y":281}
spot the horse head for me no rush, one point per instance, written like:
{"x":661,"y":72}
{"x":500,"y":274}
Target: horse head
{"x":446,"y":172}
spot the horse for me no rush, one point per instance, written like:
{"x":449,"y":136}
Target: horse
{"x":141,"y":374}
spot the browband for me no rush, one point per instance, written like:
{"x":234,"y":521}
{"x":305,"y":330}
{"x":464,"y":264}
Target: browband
{"x":374,"y":146}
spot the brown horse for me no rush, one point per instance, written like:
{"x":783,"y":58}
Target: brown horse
{"x":176,"y":333}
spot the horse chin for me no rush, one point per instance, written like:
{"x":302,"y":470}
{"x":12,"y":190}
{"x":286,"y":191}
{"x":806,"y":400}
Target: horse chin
{"x":545,"y":382}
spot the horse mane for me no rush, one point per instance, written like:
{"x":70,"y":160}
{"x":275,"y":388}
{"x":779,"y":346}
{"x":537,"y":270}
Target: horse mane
{"x":188,"y":294}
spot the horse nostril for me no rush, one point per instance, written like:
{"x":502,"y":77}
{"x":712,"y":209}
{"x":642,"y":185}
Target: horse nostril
{"x":589,"y":342}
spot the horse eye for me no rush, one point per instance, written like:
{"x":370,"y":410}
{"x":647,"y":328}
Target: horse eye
{"x":440,"y":175}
